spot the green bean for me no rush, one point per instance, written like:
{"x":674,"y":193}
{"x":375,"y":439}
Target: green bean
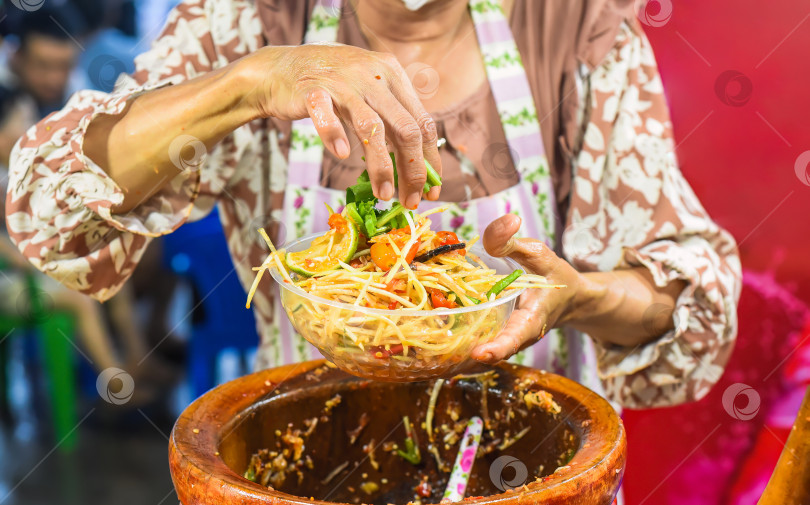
{"x":503,"y":283}
{"x":433,"y":177}
{"x":471,"y":298}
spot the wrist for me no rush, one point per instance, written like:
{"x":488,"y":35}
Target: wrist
{"x":254,"y":78}
{"x":591,"y":296}
{"x":240,"y":81}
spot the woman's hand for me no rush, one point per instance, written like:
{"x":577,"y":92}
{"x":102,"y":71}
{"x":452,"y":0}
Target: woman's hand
{"x":538,"y":310}
{"x":369,"y":91}
{"x":621,"y":307}
{"x":332,"y":84}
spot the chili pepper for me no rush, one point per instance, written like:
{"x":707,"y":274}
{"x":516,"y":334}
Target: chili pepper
{"x":503,"y":283}
{"x":423,"y":489}
{"x":380,"y":352}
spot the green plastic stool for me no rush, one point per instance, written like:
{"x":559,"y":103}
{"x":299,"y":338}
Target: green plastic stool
{"x":55,"y":331}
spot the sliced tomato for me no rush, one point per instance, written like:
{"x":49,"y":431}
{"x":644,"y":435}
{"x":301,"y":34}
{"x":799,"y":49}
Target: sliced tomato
{"x":439,"y":300}
{"x":400,"y":234}
{"x":383,"y":255}
{"x":393,"y":305}
{"x":448,"y":238}
{"x":396,"y":286}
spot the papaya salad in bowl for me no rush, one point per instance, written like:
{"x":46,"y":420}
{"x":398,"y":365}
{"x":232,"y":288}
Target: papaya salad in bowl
{"x":383,"y":296}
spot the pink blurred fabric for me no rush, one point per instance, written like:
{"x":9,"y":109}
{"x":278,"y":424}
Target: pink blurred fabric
{"x":700,"y":453}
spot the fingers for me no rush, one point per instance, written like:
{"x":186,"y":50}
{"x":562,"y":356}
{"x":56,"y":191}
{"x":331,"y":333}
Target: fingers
{"x":402,"y":89}
{"x":379,"y":108}
{"x":369,"y":128}
{"x":499,"y":236}
{"x":532,"y":254}
{"x":523,"y":328}
{"x":327,"y":123}
{"x":406,"y":138}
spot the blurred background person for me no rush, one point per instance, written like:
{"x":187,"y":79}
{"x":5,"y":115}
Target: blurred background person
{"x":18,"y":111}
{"x":41,"y":62}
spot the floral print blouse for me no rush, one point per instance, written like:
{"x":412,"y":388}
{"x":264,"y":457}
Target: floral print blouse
{"x":628,"y":204}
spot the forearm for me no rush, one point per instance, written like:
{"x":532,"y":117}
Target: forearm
{"x":136,"y":147}
{"x":623,"y":307}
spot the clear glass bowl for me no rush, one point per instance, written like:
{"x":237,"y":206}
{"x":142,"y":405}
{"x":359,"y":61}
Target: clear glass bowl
{"x":447,"y":336}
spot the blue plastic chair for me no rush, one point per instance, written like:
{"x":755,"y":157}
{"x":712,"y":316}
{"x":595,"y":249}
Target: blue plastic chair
{"x":198,"y":251}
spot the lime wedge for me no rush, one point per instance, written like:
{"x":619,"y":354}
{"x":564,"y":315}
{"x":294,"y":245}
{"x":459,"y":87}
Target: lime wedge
{"x":320,"y":257}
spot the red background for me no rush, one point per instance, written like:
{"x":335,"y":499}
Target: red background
{"x":741,"y":160}
{"x":738,"y":165}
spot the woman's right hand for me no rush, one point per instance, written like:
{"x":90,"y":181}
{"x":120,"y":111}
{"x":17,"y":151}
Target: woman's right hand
{"x":368,"y":91}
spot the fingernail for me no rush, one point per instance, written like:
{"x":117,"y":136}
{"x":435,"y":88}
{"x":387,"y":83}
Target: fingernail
{"x":486,"y":357}
{"x":433,"y":194}
{"x":386,"y":191}
{"x":412,"y":201}
{"x":341,"y":148}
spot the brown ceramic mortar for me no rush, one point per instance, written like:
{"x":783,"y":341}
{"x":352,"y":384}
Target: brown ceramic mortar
{"x":214,"y":438}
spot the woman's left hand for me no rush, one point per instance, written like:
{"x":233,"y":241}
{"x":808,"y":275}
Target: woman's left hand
{"x":538,"y":310}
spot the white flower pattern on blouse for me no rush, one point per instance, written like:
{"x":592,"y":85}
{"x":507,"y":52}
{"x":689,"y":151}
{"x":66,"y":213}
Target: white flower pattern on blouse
{"x":630,"y":205}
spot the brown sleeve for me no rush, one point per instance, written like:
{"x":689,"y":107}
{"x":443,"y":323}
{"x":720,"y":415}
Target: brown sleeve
{"x":555,"y":39}
{"x":632,"y":207}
